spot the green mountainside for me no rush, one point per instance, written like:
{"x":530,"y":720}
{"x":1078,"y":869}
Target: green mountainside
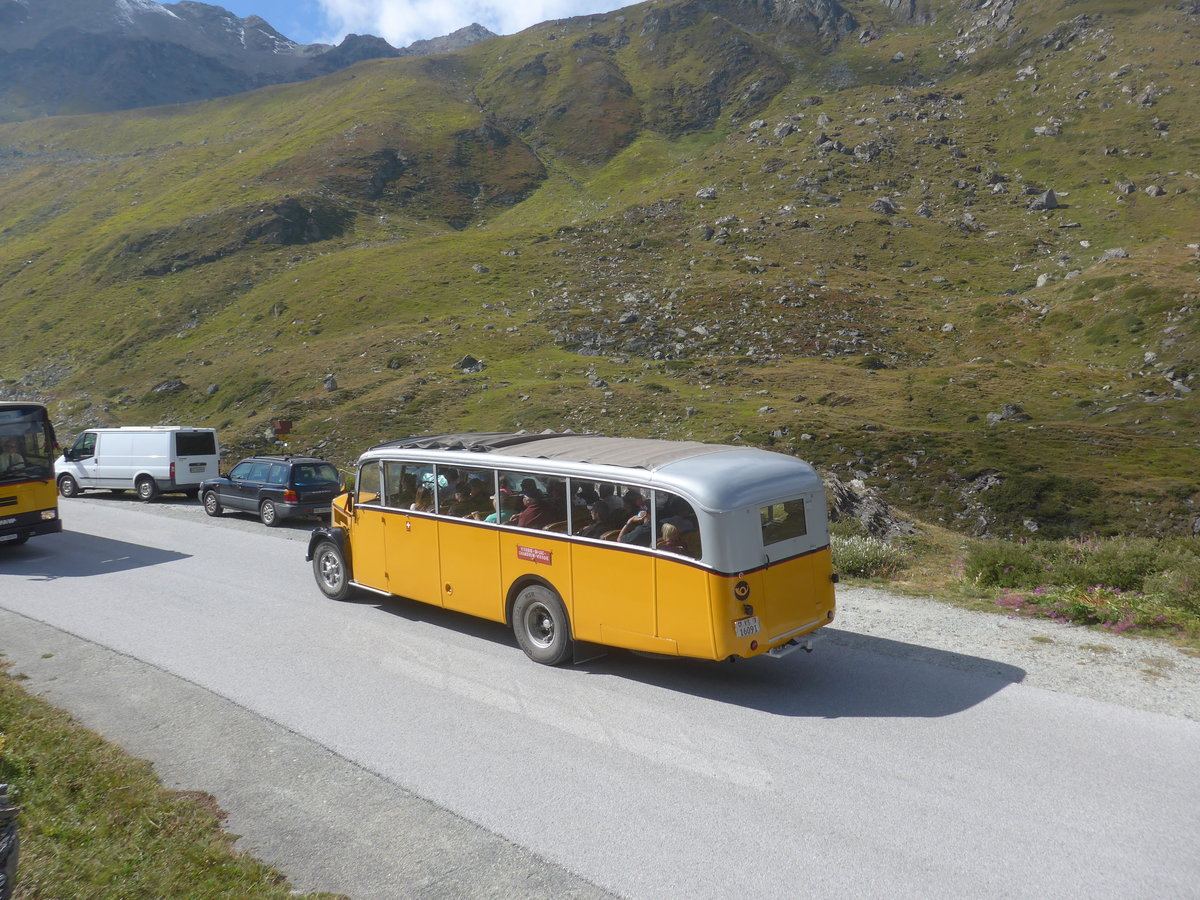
{"x":950,"y":250}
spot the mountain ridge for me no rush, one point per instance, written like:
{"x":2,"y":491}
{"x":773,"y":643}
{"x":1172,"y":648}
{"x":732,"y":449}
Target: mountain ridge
{"x":80,"y":56}
{"x":955,"y":260}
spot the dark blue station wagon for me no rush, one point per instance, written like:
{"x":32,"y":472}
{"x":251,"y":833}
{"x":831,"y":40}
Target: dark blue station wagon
{"x":274,"y":487}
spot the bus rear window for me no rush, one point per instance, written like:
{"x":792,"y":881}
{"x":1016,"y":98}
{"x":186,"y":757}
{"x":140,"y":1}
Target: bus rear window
{"x":781,"y":521}
{"x":195,"y":443}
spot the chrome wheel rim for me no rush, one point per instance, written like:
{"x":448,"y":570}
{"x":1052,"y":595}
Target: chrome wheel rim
{"x":331,"y":570}
{"x":539,"y":624}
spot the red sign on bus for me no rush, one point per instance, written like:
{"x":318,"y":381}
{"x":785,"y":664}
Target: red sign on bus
{"x":533,"y":554}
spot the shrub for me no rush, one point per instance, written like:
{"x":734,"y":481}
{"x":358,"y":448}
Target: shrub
{"x":866,"y":557}
{"x":1005,"y":565}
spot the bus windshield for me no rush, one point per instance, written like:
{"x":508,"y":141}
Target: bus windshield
{"x":26,"y":443}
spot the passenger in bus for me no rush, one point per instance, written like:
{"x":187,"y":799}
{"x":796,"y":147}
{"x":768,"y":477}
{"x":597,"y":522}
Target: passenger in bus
{"x":510,"y":505}
{"x":480,"y":502}
{"x":671,"y":541}
{"x":608,"y":495}
{"x":599,"y":523}
{"x":424,"y":501}
{"x":11,"y":457}
{"x":679,"y":513}
{"x":462,"y":505}
{"x":636,"y":529}
{"x":537,"y":512}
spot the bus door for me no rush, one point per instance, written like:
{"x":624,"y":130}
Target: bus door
{"x":368,"y":549}
{"x":470,"y":550}
{"x":614,"y":587}
{"x":410,"y":542}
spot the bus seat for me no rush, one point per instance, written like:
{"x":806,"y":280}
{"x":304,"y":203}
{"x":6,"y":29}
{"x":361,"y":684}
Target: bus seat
{"x":610,"y":535}
{"x":560,"y":527}
{"x":691,"y":540}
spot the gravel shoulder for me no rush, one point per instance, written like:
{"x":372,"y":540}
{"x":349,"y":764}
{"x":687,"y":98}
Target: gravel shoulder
{"x":1086,"y":662}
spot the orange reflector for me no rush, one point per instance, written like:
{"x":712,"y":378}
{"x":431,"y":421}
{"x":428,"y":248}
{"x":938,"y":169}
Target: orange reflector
{"x":289,"y":497}
{"x":754,"y":645}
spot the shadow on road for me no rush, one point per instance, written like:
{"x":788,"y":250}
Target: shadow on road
{"x":848,"y":675}
{"x":76,"y":555}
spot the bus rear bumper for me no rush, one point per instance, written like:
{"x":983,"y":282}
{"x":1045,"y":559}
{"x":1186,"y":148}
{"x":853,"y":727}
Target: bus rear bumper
{"x":804,"y":643}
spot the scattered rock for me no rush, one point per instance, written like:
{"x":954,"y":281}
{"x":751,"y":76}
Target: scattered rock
{"x":884,"y":205}
{"x":854,"y":500}
{"x":1155,"y":190}
{"x":330,"y":383}
{"x":1048,"y":200}
{"x":707,"y":193}
{"x":1115,"y":253}
{"x":469,"y":365}
{"x":172,"y":386}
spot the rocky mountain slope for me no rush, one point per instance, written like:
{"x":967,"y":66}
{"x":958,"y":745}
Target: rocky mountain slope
{"x":77,"y":56}
{"x":947,"y":248}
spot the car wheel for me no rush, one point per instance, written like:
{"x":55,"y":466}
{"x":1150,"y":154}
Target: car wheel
{"x":541,"y":626}
{"x":268,"y":514}
{"x":147,"y":489}
{"x":331,"y":571}
{"x":68,"y":486}
{"x":212,"y":503}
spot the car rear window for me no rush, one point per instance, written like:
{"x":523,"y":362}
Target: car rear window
{"x":195,"y":443}
{"x":315,"y":473}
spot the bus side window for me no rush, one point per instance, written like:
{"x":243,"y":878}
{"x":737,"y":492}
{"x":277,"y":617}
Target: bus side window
{"x":673,"y":510}
{"x":368,"y":483}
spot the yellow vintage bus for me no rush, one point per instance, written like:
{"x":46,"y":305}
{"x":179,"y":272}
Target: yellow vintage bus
{"x":28,"y":494}
{"x":669,"y":547}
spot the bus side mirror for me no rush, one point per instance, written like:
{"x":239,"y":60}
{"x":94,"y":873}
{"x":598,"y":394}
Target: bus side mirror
{"x":349,"y":498}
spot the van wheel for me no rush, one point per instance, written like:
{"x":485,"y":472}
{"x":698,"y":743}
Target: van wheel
{"x":68,"y":486}
{"x":212,"y":503}
{"x":268,"y":514}
{"x":331,"y":572}
{"x":541,"y":626}
{"x":147,"y":489}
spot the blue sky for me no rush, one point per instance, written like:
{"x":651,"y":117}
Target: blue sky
{"x":401,"y":22}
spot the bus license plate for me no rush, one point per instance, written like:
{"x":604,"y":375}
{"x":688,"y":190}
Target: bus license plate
{"x":746,"y":627}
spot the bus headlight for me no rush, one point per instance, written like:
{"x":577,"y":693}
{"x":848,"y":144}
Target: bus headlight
{"x":49,"y":515}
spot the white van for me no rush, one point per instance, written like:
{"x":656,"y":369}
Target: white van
{"x":149,"y":460}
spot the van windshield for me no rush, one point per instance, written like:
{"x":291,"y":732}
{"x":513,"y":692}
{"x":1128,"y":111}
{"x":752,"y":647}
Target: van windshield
{"x":195,"y":443}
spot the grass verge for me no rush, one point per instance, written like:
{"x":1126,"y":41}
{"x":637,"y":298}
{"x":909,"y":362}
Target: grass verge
{"x":96,"y":823}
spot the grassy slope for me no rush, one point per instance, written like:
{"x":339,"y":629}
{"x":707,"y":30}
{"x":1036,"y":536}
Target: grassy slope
{"x":548,"y":188}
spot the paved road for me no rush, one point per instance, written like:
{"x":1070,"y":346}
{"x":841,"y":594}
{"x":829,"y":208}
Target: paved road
{"x":386,"y":749}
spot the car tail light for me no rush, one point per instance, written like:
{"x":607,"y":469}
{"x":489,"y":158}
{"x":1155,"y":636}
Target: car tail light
{"x":172,"y":471}
{"x":289,"y":496}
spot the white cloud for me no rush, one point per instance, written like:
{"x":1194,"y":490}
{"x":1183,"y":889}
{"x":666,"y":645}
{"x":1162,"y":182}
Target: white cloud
{"x":400,"y":22}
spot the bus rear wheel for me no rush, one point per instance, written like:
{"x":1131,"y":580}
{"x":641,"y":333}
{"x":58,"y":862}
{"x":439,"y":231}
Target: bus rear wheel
{"x":68,"y":487}
{"x":541,"y":626}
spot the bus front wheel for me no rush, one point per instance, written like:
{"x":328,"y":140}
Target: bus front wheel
{"x":331,"y":571}
{"x":541,"y":626}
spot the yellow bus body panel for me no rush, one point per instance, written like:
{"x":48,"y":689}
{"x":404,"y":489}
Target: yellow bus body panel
{"x":413,"y":558}
{"x":613,"y":591}
{"x":470,"y":566}
{"x":790,"y":599}
{"x":685,"y":613}
{"x":368,"y":548}
{"x":529,"y":554}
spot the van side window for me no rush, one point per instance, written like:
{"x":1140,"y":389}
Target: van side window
{"x":195,"y":443}
{"x":85,"y":445}
{"x":367,"y":484}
